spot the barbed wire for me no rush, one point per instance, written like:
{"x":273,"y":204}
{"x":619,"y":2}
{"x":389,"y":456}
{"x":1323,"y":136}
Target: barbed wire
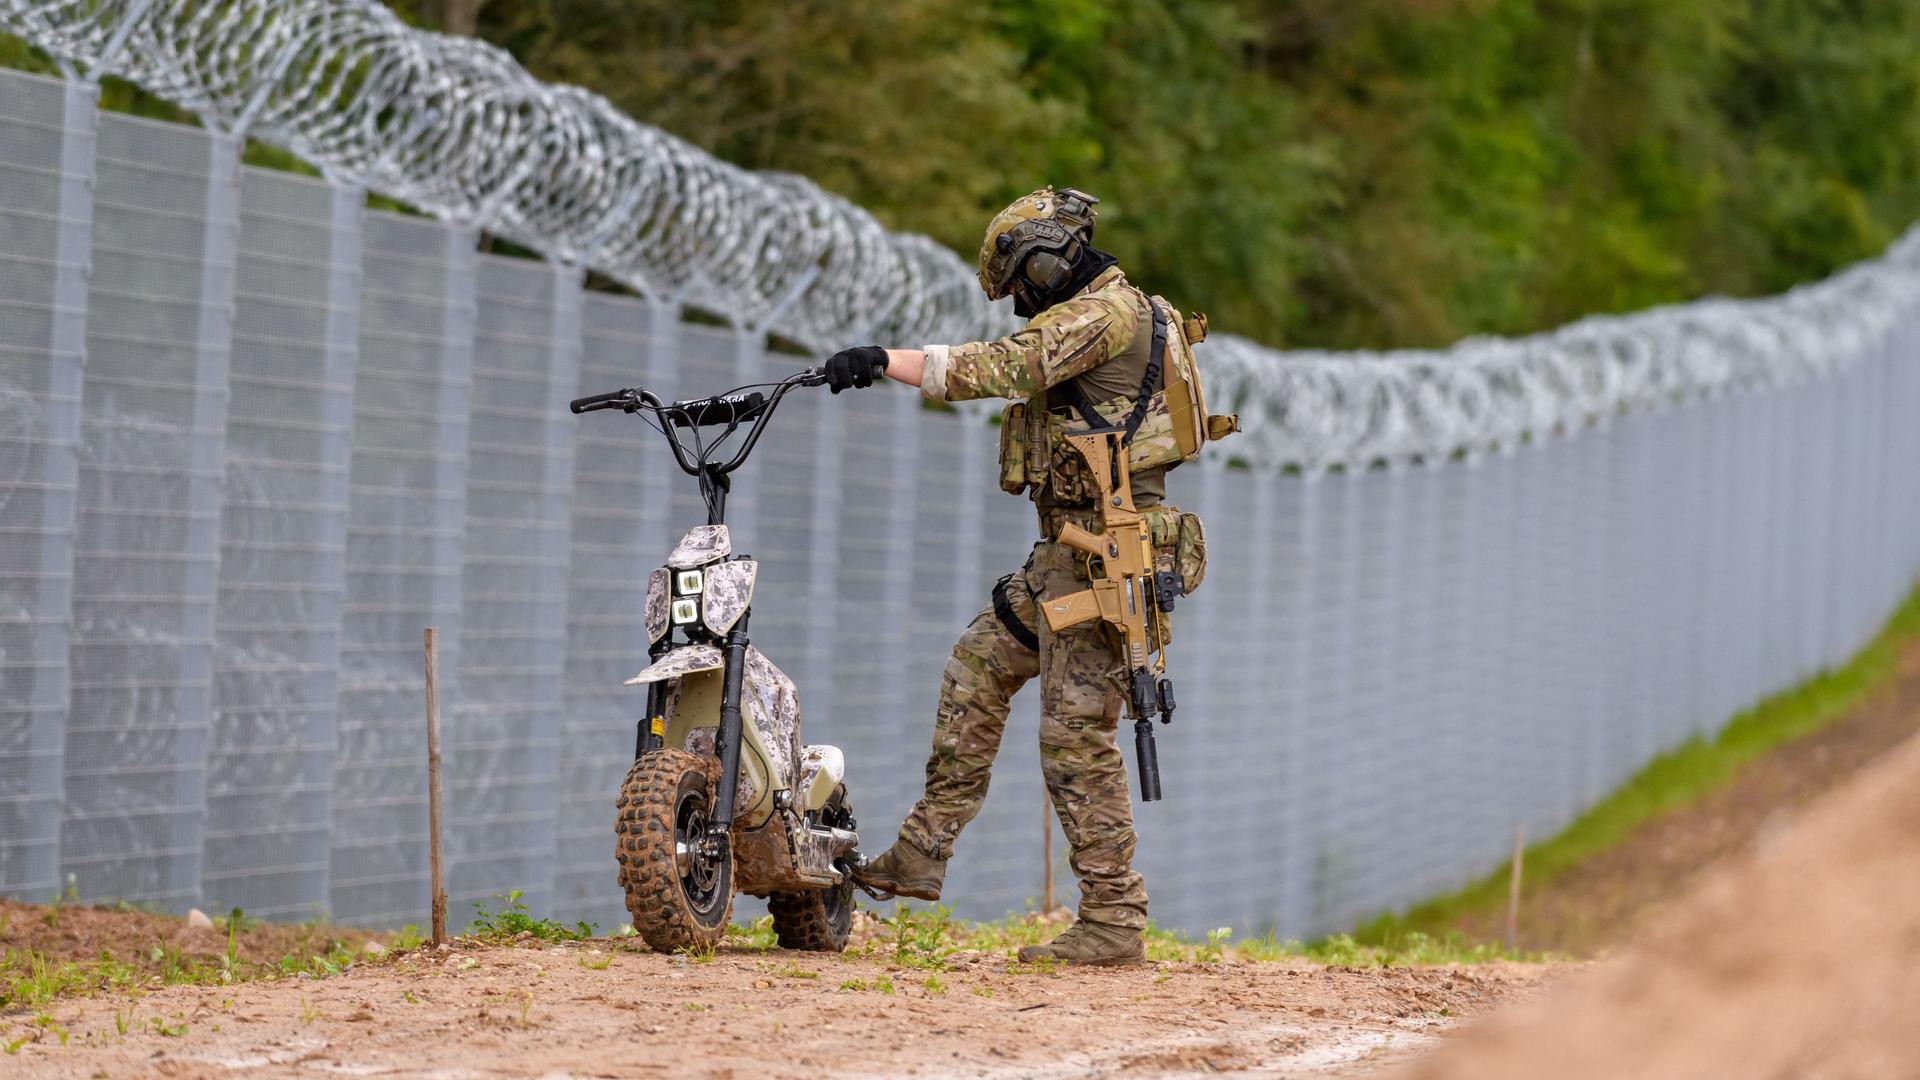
{"x":456,"y":128}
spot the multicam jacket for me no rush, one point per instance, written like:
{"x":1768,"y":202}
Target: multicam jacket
{"x":1100,"y":339}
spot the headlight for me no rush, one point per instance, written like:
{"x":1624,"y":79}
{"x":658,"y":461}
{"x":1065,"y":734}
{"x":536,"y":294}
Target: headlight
{"x":689,"y":583}
{"x":685,"y":611}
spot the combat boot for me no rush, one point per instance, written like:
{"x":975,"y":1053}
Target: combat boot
{"x":903,"y":870}
{"x":1091,"y":944}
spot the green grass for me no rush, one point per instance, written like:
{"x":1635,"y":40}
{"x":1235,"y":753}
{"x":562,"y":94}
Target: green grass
{"x":513,"y":919}
{"x":1674,"y":779}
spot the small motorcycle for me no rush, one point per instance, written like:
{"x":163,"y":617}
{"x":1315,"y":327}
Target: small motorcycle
{"x":722,"y":795}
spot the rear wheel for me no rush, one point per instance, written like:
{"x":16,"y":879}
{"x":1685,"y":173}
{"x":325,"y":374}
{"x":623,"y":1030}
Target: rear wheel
{"x":679,"y":890}
{"x":817,"y":920}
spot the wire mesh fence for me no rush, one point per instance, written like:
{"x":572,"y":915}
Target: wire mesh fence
{"x":254,"y":437}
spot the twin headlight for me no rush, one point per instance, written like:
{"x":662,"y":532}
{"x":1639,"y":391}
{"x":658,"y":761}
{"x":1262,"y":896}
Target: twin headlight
{"x":687,"y":585}
{"x":714,"y":596}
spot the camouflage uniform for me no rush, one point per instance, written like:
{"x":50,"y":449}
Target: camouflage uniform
{"x":1097,"y":337}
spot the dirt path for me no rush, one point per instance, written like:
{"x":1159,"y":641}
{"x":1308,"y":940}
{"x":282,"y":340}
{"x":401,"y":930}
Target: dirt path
{"x":548,"y":1010}
{"x":1799,"y":958}
{"x":1599,"y":904}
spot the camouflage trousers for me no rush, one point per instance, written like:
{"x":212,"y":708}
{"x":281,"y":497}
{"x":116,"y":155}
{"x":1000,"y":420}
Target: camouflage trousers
{"x":1080,"y":705}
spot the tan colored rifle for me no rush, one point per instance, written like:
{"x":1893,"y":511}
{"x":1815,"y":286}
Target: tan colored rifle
{"x":1127,"y":592}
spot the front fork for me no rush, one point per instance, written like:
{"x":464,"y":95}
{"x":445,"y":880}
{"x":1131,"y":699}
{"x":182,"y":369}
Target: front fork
{"x":727,"y":742}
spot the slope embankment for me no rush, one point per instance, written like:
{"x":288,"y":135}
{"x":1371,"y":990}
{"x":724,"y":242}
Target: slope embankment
{"x":1799,"y":957}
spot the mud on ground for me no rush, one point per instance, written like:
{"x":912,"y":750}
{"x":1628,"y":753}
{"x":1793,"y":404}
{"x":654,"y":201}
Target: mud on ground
{"x":606,"y":1008}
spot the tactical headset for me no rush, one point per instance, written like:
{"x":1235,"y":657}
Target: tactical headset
{"x":1047,"y":248}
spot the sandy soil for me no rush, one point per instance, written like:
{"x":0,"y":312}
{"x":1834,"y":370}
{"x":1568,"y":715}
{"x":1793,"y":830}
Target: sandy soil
{"x":539,"y":1010}
{"x":1799,"y":958}
{"x":1598,"y":905}
{"x":146,"y":942}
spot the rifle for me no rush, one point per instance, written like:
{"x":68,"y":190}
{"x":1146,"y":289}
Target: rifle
{"x":1126,"y":592}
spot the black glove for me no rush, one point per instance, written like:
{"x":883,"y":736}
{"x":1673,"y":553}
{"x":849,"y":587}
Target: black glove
{"x":857,"y":366}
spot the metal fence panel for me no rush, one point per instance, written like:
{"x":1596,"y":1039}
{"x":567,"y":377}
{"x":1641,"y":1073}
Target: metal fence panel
{"x":406,"y":530}
{"x":153,"y":427}
{"x":502,"y":745}
{"x":283,"y":547}
{"x":47,"y":132}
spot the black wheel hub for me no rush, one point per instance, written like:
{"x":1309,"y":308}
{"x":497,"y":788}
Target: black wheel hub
{"x":699,"y":858}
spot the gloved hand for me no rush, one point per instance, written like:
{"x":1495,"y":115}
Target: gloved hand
{"x":857,"y":366}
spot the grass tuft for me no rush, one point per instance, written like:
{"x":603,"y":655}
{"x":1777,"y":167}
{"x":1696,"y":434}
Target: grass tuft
{"x":513,"y":919}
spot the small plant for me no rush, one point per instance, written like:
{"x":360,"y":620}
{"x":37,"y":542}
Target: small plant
{"x":933,"y":985}
{"x":406,"y":939}
{"x":921,"y":940}
{"x":699,"y":954}
{"x":13,"y":1047}
{"x":526,"y":1006}
{"x":758,"y":935}
{"x":230,"y":963}
{"x":235,"y":920}
{"x":307,"y":1012}
{"x":407,"y":996}
{"x":983,"y":991}
{"x":50,"y":1026}
{"x":791,"y":970}
{"x":1211,"y":952}
{"x":123,"y":1021}
{"x":1046,"y":965}
{"x":513,"y":919}
{"x":858,"y":985}
{"x":597,"y":961}
{"x":172,"y":1031}
{"x":694,"y":1006}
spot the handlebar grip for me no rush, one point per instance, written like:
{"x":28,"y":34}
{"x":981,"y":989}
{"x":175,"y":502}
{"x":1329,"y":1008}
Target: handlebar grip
{"x":597,"y":401}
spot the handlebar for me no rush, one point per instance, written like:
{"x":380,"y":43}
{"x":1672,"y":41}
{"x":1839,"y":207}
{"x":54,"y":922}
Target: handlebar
{"x":721,"y":410}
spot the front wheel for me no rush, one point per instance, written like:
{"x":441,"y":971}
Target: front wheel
{"x":817,"y":920}
{"x":679,"y":895}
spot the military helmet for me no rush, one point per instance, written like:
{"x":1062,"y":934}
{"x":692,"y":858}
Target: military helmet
{"x":1049,"y":223}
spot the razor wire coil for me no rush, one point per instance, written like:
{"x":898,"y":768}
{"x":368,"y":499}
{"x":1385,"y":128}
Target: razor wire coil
{"x":458,"y":129}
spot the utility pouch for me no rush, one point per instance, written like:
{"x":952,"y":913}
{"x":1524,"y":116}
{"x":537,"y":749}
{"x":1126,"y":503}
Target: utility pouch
{"x":1013,"y":448}
{"x":1069,"y":478}
{"x":1190,"y":551}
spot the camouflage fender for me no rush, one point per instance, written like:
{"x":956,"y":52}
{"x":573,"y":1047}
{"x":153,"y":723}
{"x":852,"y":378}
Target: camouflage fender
{"x":729,"y":591}
{"x":657,"y":605}
{"x":679,"y":662}
{"x":702,"y":544}
{"x":775,"y":706}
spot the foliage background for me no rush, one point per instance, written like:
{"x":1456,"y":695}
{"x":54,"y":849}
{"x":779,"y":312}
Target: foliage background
{"x":1309,"y":172}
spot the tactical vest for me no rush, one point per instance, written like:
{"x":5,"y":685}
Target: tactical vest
{"x":1035,"y":457}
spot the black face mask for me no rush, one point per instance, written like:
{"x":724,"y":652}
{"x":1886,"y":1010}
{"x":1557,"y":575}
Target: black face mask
{"x":1030,"y":300}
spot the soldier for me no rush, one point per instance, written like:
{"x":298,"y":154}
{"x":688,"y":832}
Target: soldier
{"x":1083,"y":356}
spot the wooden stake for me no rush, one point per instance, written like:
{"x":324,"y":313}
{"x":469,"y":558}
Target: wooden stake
{"x":1046,"y":847}
{"x":1513,"y":888}
{"x":433,"y":789}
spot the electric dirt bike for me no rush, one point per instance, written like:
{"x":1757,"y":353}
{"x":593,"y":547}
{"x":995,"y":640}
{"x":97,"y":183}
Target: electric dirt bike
{"x":722,"y":795}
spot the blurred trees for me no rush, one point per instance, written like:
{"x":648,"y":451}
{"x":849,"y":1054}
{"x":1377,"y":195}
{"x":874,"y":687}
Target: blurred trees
{"x":1324,"y":172}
